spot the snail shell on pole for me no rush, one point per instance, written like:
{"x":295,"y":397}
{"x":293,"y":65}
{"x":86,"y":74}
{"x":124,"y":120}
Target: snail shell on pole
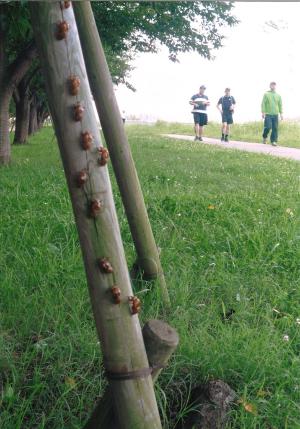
{"x":135,"y":304}
{"x":81,"y":178}
{"x":116,"y":293}
{"x":104,"y":156}
{"x":95,"y":207}
{"x":105,"y":266}
{"x":74,"y":85}
{"x":62,"y":30}
{"x":86,"y":140}
{"x":78,"y":112}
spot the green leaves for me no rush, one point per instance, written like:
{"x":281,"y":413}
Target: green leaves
{"x":145,"y":26}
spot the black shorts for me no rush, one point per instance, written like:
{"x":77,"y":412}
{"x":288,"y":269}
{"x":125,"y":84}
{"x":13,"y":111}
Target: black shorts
{"x":227,"y":117}
{"x":200,"y":118}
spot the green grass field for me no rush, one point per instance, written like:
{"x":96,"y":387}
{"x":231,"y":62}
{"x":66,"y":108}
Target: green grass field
{"x":228,"y":226}
{"x":289,"y":132}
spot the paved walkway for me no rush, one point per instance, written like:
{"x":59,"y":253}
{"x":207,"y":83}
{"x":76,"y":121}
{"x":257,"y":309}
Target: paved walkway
{"x":280,"y":151}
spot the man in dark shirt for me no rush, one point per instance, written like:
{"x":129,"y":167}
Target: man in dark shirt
{"x":226,"y":106}
{"x":200,"y":102}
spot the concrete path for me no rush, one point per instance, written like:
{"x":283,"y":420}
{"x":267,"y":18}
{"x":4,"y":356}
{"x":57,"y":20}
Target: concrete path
{"x":280,"y":151}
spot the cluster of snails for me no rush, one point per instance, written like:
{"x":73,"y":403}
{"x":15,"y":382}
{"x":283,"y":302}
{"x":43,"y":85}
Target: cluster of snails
{"x":134,"y":302}
{"x":86,"y":140}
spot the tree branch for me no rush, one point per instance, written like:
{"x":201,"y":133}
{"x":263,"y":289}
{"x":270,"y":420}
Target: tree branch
{"x":32,"y":74}
{"x":16,"y":96}
{"x":19,"y":67}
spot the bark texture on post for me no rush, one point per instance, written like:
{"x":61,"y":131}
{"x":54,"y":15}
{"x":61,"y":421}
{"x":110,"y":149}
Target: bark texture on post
{"x":161,"y":340}
{"x":118,"y":329}
{"x":122,"y":161}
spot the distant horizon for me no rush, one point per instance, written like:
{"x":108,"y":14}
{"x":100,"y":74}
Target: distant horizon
{"x":154,"y":121}
{"x":254,"y":54}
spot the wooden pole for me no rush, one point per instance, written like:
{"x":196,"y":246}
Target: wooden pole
{"x":161,"y":340}
{"x":117,"y":323}
{"x":116,"y":139}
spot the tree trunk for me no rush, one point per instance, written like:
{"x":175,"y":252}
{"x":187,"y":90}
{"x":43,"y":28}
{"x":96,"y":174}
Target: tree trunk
{"x":42,"y":115}
{"x":4,"y":101}
{"x":116,"y":139}
{"x":119,"y":331}
{"x":10,"y":76}
{"x":33,"y":118}
{"x":5,"y":148}
{"x":22,"y":114}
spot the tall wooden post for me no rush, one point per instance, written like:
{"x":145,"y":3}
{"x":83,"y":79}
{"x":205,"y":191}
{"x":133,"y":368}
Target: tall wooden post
{"x":117,"y":323}
{"x":115,"y":136}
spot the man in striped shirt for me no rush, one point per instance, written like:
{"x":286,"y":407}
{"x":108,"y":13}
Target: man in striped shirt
{"x":199,"y":102}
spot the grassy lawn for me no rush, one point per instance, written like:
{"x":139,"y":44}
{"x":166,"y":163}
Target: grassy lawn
{"x":228,"y":226}
{"x":289,"y":132}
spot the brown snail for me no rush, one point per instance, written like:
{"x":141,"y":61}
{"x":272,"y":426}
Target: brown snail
{"x":86,"y":140}
{"x":62,"y":30}
{"x":116,"y":293}
{"x":95,"y":207}
{"x":81,"y":178}
{"x":104,"y":156}
{"x":135,"y":303}
{"x":78,"y":112}
{"x":105,"y":266}
{"x":74,"y":85}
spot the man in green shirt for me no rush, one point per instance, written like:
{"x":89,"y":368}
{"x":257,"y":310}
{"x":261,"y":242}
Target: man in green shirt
{"x":271,"y":107}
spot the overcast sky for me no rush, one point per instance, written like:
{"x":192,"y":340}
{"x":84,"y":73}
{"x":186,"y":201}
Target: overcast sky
{"x":253,"y":55}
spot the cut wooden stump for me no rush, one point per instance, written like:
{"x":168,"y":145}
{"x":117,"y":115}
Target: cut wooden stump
{"x":161,"y":341}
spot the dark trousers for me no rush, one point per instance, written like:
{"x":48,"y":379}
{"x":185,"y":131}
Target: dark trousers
{"x":271,"y":123}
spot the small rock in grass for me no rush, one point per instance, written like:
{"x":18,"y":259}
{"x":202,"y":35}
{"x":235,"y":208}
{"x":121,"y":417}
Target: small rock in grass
{"x":210,"y":404}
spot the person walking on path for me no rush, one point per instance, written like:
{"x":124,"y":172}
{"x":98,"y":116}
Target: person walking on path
{"x":271,"y":107}
{"x":200,"y":102}
{"x":226,"y":106}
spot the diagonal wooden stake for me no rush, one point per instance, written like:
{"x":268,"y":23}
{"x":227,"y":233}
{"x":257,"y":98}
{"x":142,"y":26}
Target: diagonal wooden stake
{"x":116,"y":139}
{"x":90,"y":190}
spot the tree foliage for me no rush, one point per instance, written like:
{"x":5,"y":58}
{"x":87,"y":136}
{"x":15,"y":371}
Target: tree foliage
{"x":127,"y":28}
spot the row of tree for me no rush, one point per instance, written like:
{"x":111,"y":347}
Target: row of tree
{"x":126,"y":28}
